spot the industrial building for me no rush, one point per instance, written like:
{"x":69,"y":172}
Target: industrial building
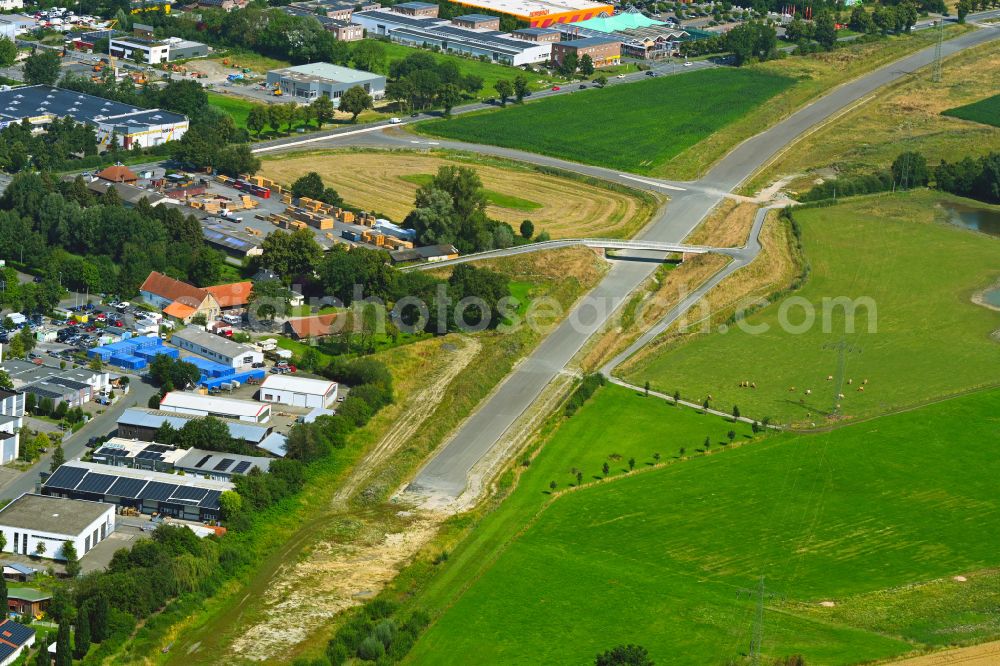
{"x":121,"y":452}
{"x":187,"y":497}
{"x":335,"y":9}
{"x":41,"y":104}
{"x":216,"y":348}
{"x":38,"y":526}
{"x":543,"y":13}
{"x":224,"y":237}
{"x":298,"y":391}
{"x":603,"y":51}
{"x":11,"y":420}
{"x":463,"y":35}
{"x":137,"y":423}
{"x":429,"y":253}
{"x":156,"y":51}
{"x":640,"y":36}
{"x":307,"y":82}
{"x":219,"y":466}
{"x":136,"y":454}
{"x":197,"y":404}
{"x":536,"y":34}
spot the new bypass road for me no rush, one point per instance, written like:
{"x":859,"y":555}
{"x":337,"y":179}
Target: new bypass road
{"x":446,"y":474}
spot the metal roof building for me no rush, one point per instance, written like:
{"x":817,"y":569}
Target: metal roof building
{"x":307,"y":82}
{"x":206,"y":405}
{"x":188,"y":497}
{"x":219,"y":466}
{"x":41,"y":104}
{"x":142,"y":424}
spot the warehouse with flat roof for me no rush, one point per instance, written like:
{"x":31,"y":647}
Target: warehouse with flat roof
{"x":142,"y":424}
{"x":197,"y":404}
{"x":298,"y":391}
{"x":463,"y":34}
{"x":188,"y":497}
{"x":39,"y":526}
{"x":41,"y":104}
{"x":304,"y":83}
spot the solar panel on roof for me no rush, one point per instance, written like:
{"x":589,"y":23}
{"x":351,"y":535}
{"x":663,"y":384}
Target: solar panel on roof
{"x":157,"y":490}
{"x":158,"y":448}
{"x":211,"y":500}
{"x":188,"y":493}
{"x":203,"y":461}
{"x":96,"y":483}
{"x":126,"y":487}
{"x":223,"y":464}
{"x":241,"y":467}
{"x":66,"y":477}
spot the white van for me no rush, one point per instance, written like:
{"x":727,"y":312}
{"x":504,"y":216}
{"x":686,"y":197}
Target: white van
{"x":232,"y":319}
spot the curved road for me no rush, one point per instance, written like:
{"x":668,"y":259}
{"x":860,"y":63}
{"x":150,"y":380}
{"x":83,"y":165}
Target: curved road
{"x":445,"y":476}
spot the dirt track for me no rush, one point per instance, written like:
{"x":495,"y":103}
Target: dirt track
{"x":986,"y":654}
{"x":357,"y":553}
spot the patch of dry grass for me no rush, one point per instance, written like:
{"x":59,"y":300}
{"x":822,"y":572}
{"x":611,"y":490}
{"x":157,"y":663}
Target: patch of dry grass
{"x":375,"y":181}
{"x":728,"y":225}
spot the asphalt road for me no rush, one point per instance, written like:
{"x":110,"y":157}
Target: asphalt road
{"x":446,"y":474}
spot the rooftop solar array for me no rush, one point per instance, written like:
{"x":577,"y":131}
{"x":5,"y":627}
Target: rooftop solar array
{"x":241,"y":467}
{"x":95,"y":483}
{"x":83,"y":480}
{"x":223,"y":465}
{"x":66,"y":478}
{"x":204,"y":460}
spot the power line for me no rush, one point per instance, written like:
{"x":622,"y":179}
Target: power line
{"x":757,"y":639}
{"x":937,"y":51}
{"x":843,"y":348}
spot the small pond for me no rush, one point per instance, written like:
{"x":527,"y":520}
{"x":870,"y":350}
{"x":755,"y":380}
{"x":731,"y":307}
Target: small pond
{"x":986,"y":220}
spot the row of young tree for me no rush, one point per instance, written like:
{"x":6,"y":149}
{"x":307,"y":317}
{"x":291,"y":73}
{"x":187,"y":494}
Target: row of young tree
{"x":61,"y":230}
{"x":973,"y":177}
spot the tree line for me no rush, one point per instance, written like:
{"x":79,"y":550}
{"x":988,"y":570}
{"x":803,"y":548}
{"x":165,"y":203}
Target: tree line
{"x":74,"y":238}
{"x":973,"y":177}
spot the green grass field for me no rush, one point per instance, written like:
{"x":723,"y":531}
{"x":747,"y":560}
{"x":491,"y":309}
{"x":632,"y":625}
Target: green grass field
{"x":986,"y":111}
{"x":237,"y":107}
{"x":660,"y":558}
{"x":930,"y":339}
{"x":496,"y":198}
{"x":636,"y":127}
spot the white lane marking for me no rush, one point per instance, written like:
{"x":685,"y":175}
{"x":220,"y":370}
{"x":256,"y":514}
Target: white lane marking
{"x":314,"y":139}
{"x":653,"y":183}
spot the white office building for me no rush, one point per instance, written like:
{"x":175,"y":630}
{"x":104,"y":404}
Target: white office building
{"x":40,"y":525}
{"x":11,"y":420}
{"x":216,"y":348}
{"x":298,"y":391}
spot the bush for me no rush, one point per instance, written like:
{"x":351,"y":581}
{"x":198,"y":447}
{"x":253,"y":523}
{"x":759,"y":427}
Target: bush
{"x":583,"y":392}
{"x":371,"y":649}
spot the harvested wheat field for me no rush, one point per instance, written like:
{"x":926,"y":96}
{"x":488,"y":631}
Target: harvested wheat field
{"x":386,"y":182}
